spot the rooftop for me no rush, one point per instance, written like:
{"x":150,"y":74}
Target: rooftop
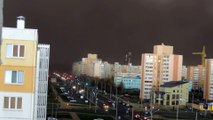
{"x":173,"y":83}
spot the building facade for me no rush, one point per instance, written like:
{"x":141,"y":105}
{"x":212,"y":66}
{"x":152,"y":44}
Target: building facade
{"x":172,"y":93}
{"x":159,"y":67}
{"x":208,"y":84}
{"x":19,"y":77}
{"x":184,"y":72}
{"x":196,"y":74}
{"x":129,"y":80}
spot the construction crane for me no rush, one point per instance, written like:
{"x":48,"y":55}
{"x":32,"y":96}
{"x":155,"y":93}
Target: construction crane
{"x":202,"y":54}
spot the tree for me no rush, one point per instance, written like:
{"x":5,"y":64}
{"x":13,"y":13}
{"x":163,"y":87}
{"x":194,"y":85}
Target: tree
{"x":120,"y":88}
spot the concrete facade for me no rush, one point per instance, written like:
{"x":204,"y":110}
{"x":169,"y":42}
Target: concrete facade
{"x":208,"y":84}
{"x":20,"y":74}
{"x":172,"y":93}
{"x":196,"y":74}
{"x":159,"y":67}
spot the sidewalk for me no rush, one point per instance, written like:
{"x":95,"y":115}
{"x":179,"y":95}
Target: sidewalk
{"x":74,"y":116}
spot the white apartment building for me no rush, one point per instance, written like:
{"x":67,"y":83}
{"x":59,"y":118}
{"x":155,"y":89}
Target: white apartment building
{"x":23,"y":74}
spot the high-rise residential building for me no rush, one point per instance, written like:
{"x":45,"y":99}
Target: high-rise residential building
{"x":208,"y":84}
{"x":184,"y":72}
{"x":159,"y":67}
{"x":23,"y":74}
{"x":93,"y":67}
{"x":196,"y":74}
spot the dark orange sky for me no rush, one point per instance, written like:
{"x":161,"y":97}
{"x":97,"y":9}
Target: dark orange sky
{"x":111,"y":28}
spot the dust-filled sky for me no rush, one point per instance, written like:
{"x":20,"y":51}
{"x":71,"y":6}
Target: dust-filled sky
{"x":111,"y":28}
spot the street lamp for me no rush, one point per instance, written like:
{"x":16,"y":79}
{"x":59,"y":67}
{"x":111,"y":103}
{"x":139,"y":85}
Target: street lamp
{"x":116,"y":93}
{"x":179,"y":100}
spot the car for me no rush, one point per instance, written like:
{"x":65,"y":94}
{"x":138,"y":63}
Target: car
{"x":146,"y":115}
{"x":51,"y":118}
{"x":70,"y":98}
{"x":137,"y":116}
{"x":73,"y":101}
{"x":86,"y":101}
{"x":127,"y":105}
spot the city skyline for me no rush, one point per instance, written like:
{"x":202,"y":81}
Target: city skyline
{"x":113,"y":28}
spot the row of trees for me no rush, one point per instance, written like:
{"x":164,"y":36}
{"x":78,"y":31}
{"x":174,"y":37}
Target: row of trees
{"x":107,"y":84}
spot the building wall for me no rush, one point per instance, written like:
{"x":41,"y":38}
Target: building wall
{"x":197,"y":75}
{"x":29,"y":78}
{"x":27,"y":94}
{"x":184,"y":72}
{"x":130,"y":81}
{"x":177,"y":95}
{"x":208,"y":86}
{"x":30,"y":54}
{"x":159,"y":67}
{"x":27,"y":106}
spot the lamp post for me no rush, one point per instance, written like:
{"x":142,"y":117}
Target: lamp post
{"x":192,"y":100}
{"x":116,"y":93}
{"x":132,"y":113}
{"x":151,"y":106}
{"x":179,"y":100}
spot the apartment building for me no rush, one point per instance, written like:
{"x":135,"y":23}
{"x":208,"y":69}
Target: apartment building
{"x":184,"y":72}
{"x":196,"y":74}
{"x":208,"y":84}
{"x":23,"y":74}
{"x":93,"y":67}
{"x":159,"y":67}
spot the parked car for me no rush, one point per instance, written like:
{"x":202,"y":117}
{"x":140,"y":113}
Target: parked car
{"x":73,"y":101}
{"x":51,"y":118}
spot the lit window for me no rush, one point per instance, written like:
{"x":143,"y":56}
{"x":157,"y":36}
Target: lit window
{"x":14,"y":77}
{"x":15,"y":51}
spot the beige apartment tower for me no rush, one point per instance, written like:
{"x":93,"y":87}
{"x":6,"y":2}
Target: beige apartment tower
{"x":196,"y":74}
{"x":208,"y":84}
{"x":159,"y":67}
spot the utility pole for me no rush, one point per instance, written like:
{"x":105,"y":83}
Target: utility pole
{"x":177,"y":111}
{"x":116,"y":92}
{"x":132,"y":113}
{"x":110,"y":95}
{"x":192,"y":100}
{"x":151,"y":105}
{"x":196,"y":116}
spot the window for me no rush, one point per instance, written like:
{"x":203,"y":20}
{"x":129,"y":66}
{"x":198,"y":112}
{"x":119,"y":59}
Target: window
{"x":19,"y":102}
{"x":13,"y":102}
{"x":6,"y":102}
{"x":15,"y":50}
{"x":14,"y":77}
{"x":167,"y":103}
{"x":167,"y":97}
